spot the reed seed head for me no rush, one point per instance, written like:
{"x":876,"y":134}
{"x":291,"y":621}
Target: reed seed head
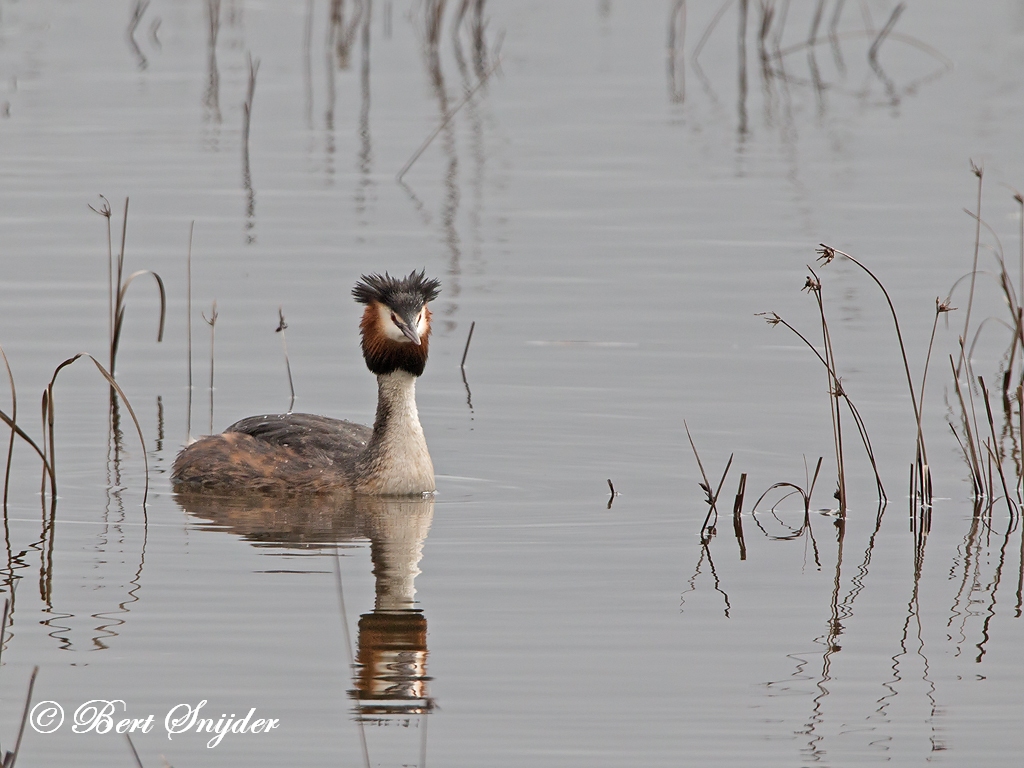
{"x":826,"y":253}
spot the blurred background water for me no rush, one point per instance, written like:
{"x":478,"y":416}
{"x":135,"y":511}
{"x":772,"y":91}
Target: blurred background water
{"x":616,"y":189}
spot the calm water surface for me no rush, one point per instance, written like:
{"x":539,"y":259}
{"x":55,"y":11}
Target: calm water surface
{"x":611,"y":212}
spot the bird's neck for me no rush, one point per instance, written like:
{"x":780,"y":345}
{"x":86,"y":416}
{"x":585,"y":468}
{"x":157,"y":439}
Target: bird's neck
{"x":396,"y":461}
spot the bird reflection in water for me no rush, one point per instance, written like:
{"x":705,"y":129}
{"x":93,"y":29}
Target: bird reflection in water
{"x":390,"y":663}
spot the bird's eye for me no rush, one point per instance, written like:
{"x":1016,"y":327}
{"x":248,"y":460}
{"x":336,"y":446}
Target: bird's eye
{"x":394,"y":318}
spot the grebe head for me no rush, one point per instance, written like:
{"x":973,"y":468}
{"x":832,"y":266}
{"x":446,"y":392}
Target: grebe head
{"x":396,"y":324}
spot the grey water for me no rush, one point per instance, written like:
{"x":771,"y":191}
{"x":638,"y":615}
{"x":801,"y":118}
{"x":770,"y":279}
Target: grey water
{"x":615,"y":191}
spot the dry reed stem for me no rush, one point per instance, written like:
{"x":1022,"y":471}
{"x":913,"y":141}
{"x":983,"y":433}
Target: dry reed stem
{"x":281,"y":326}
{"x":3,"y":624}
{"x":135,"y":753}
{"x":773,"y":318}
{"x":737,"y":509}
{"x":995,"y":447}
{"x":117,"y":285}
{"x":10,"y":445}
{"x":795,"y":489}
{"x":979,"y":172}
{"x":813,"y":285}
{"x":971,"y":454}
{"x":1020,"y":215}
{"x":447,"y":119}
{"x":11,"y":757}
{"x":1020,"y":432}
{"x":105,"y":211}
{"x":49,"y":418}
{"x":24,"y":436}
{"x":712,"y":496}
{"x":827,"y":254}
{"x":212,"y":322}
{"x":188,"y":329}
{"x":965,"y":360}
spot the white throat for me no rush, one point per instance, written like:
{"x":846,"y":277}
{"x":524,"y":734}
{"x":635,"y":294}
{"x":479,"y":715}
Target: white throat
{"x":397,"y":461}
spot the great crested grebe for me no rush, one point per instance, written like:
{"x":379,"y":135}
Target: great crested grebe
{"x":303,"y":453}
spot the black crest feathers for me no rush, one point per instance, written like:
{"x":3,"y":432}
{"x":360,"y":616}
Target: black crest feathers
{"x":397,"y":293}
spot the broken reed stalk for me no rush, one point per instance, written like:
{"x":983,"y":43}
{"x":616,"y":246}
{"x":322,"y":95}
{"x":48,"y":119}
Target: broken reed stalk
{"x":827,"y":254}
{"x":465,"y":351}
{"x":281,"y":325}
{"x":49,"y":414}
{"x":707,"y":530}
{"x":773,"y":318}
